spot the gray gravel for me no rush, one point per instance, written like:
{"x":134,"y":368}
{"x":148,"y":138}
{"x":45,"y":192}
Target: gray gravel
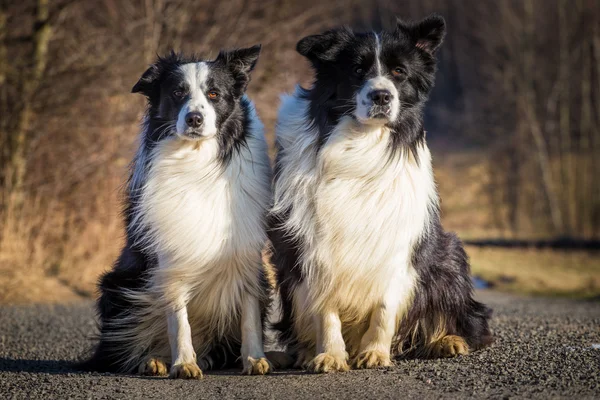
{"x":544,"y":349}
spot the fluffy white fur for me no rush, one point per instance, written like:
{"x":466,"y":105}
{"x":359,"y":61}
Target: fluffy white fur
{"x":357,"y":215}
{"x":206,"y":223}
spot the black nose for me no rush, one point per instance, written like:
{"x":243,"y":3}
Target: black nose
{"x":381,"y":97}
{"x":194,"y":119}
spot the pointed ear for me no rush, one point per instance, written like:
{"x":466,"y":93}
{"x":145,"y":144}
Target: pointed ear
{"x":144,"y":85}
{"x":428,"y":34}
{"x":324,"y":47}
{"x":241,"y":60}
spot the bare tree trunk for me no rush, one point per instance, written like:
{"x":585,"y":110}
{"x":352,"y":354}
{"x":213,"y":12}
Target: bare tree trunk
{"x":154,"y":10}
{"x":4,"y":110}
{"x":565,"y":157}
{"x":17,"y":139}
{"x":595,"y":134}
{"x":529,"y":108}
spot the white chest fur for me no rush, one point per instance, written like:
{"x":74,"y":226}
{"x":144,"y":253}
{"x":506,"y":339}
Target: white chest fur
{"x":370,"y":210}
{"x":197,"y":211}
{"x":357,"y":211}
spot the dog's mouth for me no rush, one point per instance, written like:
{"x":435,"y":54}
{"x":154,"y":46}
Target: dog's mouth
{"x":192,"y":134}
{"x":380,"y":113}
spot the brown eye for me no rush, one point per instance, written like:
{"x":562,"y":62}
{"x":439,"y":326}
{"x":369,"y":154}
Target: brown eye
{"x":358,"y":71}
{"x":179,"y":93}
{"x":398,"y":72}
{"x":213,"y":95}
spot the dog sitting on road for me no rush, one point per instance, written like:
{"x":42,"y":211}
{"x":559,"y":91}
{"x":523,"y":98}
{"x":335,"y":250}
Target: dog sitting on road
{"x":189,"y":288}
{"x":366,"y":271}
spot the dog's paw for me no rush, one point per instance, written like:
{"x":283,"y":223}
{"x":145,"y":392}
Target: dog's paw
{"x":185,"y":371}
{"x":327,"y":362}
{"x":452,"y":346}
{"x":153,"y":367}
{"x":256,"y":366}
{"x":372,"y":359}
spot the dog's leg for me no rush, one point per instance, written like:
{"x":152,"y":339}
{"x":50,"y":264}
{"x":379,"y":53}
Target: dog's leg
{"x":331,"y":349}
{"x":182,"y":351}
{"x":375,"y":345}
{"x":253,"y":355}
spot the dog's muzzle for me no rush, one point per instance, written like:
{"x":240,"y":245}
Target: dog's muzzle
{"x":381,"y":100}
{"x":194,"y":121}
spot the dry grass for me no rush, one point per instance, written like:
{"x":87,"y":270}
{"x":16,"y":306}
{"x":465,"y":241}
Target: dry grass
{"x":539,"y":272}
{"x":50,"y":256}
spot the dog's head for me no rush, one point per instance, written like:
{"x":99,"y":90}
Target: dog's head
{"x":191,"y":98}
{"x":378,"y":78}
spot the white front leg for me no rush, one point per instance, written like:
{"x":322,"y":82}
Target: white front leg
{"x":376,"y":343}
{"x":183,"y":356}
{"x":253,"y":355}
{"x":182,"y":350}
{"x":180,"y":337}
{"x":331,"y":349}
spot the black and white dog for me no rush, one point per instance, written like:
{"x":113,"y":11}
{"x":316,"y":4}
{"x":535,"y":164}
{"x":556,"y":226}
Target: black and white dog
{"x":366,"y":271}
{"x":189,"y":288}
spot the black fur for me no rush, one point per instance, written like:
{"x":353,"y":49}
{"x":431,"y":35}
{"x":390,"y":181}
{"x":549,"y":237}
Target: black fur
{"x":230,"y":75}
{"x":444,"y":289}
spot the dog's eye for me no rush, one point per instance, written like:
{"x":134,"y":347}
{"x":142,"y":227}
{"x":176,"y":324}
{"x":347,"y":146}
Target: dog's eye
{"x":213,"y":95}
{"x":179,"y":93}
{"x":358,"y":71}
{"x":398,"y":72}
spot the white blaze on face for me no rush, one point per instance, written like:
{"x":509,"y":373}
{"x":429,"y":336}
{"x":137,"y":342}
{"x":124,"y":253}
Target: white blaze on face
{"x":196,"y":76}
{"x":380,"y":82}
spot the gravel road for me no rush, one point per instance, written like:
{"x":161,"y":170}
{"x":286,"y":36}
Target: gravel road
{"x":545,"y":348}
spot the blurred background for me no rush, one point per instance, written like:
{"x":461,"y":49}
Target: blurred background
{"x":513,"y":123}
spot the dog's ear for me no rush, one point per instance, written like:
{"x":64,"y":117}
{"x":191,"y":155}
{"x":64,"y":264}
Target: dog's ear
{"x":240,"y":62}
{"x":144,"y":85}
{"x":428,"y":34}
{"x":323,"y":47}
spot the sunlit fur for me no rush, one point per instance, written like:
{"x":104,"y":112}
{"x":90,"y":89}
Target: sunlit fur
{"x":189,"y":285}
{"x":354,"y":249}
{"x":210,"y":223}
{"x":365,"y":270}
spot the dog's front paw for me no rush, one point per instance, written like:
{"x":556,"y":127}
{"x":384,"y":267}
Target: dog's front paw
{"x":153,"y":367}
{"x":256,"y":366}
{"x":185,"y":371}
{"x":327,"y":362}
{"x":372,"y":359}
{"x":452,"y":346}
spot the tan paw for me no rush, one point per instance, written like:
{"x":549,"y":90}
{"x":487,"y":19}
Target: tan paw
{"x":327,"y":362}
{"x":153,"y":367}
{"x":452,"y":346}
{"x":256,"y":366}
{"x":185,"y":371}
{"x":372,"y":359}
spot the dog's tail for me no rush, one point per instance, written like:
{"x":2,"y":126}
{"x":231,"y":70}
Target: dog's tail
{"x":116,"y":312}
{"x":103,"y":359}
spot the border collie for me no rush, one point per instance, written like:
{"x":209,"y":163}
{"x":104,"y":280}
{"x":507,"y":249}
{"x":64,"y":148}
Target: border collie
{"x":188,"y":288}
{"x":365,"y":270}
